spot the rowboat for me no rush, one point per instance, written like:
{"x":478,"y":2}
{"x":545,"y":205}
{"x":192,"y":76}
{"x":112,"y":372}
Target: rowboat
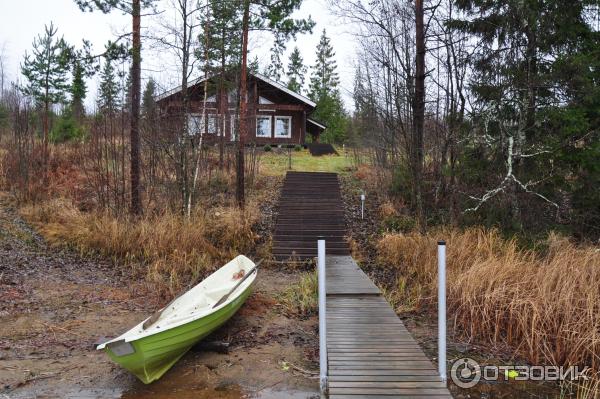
{"x":150,"y":348}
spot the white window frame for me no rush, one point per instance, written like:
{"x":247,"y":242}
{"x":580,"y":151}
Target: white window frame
{"x":270,"y":119}
{"x":289,"y":132}
{"x":232,"y":130}
{"x":195,"y":124}
{"x":212,"y":121}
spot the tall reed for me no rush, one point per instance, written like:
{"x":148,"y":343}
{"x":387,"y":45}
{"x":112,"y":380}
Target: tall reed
{"x":544,"y":303}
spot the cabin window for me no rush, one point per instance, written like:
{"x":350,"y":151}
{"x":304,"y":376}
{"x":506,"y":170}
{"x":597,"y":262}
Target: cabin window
{"x":233,"y":128}
{"x":263,"y":126}
{"x":211,"y":99}
{"x":283,"y":126}
{"x":213,"y":121}
{"x":195,"y":125}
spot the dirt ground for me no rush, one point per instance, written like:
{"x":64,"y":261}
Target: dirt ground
{"x":54,"y":305}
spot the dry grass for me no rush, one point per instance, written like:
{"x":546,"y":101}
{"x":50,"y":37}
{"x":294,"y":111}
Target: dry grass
{"x":301,"y":298}
{"x":545,"y":304}
{"x":176,"y":251}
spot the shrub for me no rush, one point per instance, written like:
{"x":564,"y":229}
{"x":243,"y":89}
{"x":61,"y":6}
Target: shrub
{"x":301,"y":298}
{"x":401,"y":185}
{"x":399,"y":223}
{"x":66,"y":129}
{"x":220,"y":182}
{"x":267,"y":148}
{"x":297,"y":147}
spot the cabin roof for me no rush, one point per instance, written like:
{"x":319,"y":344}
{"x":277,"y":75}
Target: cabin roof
{"x":314,"y":122}
{"x":258,"y":76}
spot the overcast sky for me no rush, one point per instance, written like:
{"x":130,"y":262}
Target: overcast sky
{"x":22,"y":20}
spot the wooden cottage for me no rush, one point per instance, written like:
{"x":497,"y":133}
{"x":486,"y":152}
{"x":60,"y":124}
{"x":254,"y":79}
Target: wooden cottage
{"x":276,"y":114}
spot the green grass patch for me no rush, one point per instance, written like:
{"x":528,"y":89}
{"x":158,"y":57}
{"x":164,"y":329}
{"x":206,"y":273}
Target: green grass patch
{"x":276,"y":163}
{"x":301,"y":298}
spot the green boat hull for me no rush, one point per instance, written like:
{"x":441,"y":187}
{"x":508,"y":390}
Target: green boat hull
{"x":154,"y":355}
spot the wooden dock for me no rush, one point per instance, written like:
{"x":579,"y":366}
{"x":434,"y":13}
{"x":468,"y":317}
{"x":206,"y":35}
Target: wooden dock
{"x":370,"y":352}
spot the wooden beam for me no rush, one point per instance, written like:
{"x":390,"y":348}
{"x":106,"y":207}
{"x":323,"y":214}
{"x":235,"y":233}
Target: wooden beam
{"x":303,"y":127}
{"x":280,"y":107}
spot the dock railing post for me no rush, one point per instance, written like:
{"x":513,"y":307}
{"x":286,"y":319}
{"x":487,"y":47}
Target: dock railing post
{"x":322,"y":315}
{"x":442,"y":309}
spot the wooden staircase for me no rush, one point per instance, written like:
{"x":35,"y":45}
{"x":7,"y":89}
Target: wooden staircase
{"x":310,"y":206}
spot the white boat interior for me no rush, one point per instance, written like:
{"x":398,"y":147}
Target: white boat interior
{"x":198,"y":302}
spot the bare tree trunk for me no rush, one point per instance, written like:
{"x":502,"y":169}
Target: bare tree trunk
{"x":419,"y":114}
{"x":243,"y":107}
{"x":45,"y":156}
{"x":224,"y":101}
{"x":136,"y":199}
{"x":185,"y":186}
{"x":197,"y":152}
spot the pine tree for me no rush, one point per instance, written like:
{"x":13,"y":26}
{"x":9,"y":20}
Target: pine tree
{"x":324,"y":91}
{"x":78,"y":91}
{"x":127,"y":90}
{"x":324,"y":79}
{"x":133,"y":8}
{"x":148,"y":102}
{"x":46,"y":74}
{"x":254,"y":65}
{"x":275,"y":68}
{"x":222,"y":23}
{"x":108,"y":91}
{"x":296,"y":71}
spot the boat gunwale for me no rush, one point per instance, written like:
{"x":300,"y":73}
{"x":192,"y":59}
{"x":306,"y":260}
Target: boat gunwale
{"x":194,"y":317}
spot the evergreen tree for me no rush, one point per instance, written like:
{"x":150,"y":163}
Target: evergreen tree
{"x":148,"y":102}
{"x":133,"y":8}
{"x":108,"y":91}
{"x":127,"y":92}
{"x":296,"y":71}
{"x":275,"y":68}
{"x":324,"y":91}
{"x":527,"y":98}
{"x":324,"y":80}
{"x":46,"y":74}
{"x":222,"y":23}
{"x":66,"y":128}
{"x":78,"y":91}
{"x":254,"y":65}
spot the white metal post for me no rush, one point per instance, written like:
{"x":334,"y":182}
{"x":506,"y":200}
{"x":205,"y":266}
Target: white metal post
{"x":362,"y":206}
{"x":322,"y":316}
{"x":442,"y":309}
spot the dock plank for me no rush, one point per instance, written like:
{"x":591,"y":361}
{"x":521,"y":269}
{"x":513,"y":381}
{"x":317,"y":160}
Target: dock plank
{"x":371,"y":354}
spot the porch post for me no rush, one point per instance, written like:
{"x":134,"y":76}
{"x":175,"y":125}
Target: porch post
{"x":303,"y":128}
